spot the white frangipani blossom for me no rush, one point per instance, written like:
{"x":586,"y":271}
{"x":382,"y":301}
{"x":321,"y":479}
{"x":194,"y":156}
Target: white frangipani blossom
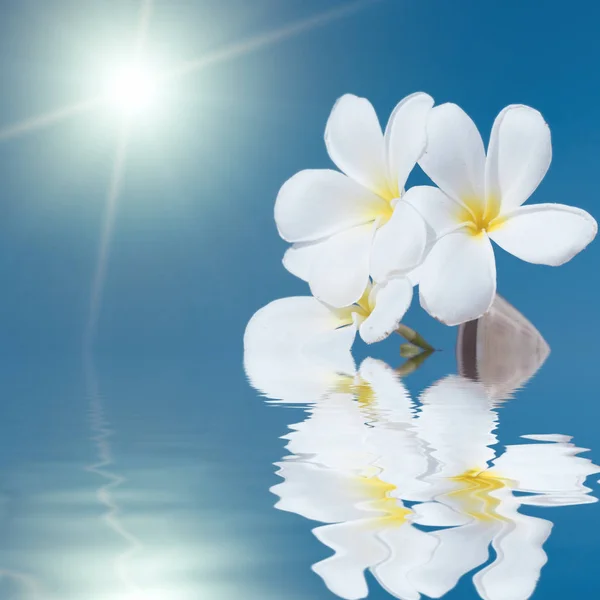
{"x":479,"y":199}
{"x":297,"y":349}
{"x":302,"y":329}
{"x":379,"y":311}
{"x":351,"y":225}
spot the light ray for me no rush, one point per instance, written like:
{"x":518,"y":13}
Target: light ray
{"x":50,"y":118}
{"x":114,"y":191}
{"x":268,"y":39}
{"x":146,"y":7}
{"x":25,"y":582}
{"x":218,"y":56}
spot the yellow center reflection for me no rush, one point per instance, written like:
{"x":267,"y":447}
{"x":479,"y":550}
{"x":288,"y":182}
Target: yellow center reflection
{"x":474,"y":494}
{"x":358,"y":387}
{"x":378,"y":491}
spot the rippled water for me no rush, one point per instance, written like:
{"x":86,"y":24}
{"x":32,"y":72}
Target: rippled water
{"x":415,"y":493}
{"x":142,"y":478}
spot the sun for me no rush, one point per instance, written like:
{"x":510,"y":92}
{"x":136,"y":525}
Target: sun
{"x":132,"y":89}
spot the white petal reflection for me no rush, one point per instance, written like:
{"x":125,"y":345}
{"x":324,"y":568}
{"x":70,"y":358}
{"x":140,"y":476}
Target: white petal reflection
{"x":502,"y":349}
{"x":458,"y":421}
{"x":349,"y":462}
{"x":420,"y":494}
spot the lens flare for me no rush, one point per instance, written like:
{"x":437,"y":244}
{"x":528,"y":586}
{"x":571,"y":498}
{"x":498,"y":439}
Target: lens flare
{"x":132,"y":89}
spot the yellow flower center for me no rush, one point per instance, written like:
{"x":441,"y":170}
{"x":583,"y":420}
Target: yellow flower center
{"x":362,"y":307}
{"x":388,"y":192}
{"x":479,"y":215}
{"x":383,"y":212}
{"x":474,"y":494}
{"x":358,"y":387}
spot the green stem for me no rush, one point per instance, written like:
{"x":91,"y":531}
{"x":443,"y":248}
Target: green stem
{"x":414,"y":337}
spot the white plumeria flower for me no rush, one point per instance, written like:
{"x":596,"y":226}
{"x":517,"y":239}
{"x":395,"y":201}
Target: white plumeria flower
{"x":303,"y":332}
{"x":480,"y":199}
{"x":484,"y":492}
{"x":347,"y":226}
{"x":333,"y":476}
{"x":379,"y":311}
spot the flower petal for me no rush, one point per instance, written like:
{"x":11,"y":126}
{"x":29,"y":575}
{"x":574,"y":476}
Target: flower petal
{"x":298,"y":259}
{"x":458,"y":280}
{"x":405,"y":136}
{"x":519,"y":559}
{"x":455,"y":156}
{"x":334,"y":437}
{"x":392,"y":400}
{"x":519,"y":155}
{"x":355,"y":142}
{"x":290,"y":321}
{"x":356,"y":548}
{"x":547,"y":468}
{"x":546,"y":234}
{"x":293,"y":351}
{"x":467,"y":443}
{"x":399,"y":245}
{"x":440,"y":212}
{"x":410,"y":548}
{"x":315,"y":204}
{"x":341,"y":274}
{"x":392,"y":300}
{"x":330,"y":349}
{"x":436,"y":514}
{"x":414,"y":276}
{"x":317,"y":492}
{"x":459,"y":550}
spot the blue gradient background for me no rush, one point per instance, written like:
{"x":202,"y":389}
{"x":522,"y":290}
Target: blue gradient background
{"x":195,"y":252}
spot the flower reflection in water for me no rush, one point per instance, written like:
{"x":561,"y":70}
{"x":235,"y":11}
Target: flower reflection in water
{"x":477,"y":487}
{"x":336,"y":474}
{"x":416,"y":493}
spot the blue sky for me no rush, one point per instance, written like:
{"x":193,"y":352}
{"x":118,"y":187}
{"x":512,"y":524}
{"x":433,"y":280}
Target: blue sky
{"x":195,"y":250}
{"x":194,"y":234}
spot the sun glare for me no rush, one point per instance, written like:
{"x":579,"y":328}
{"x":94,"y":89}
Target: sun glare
{"x":132,"y":89}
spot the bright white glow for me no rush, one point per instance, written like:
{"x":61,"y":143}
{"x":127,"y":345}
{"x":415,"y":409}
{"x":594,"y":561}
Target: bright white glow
{"x":145,"y":595}
{"x":133,"y":89}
